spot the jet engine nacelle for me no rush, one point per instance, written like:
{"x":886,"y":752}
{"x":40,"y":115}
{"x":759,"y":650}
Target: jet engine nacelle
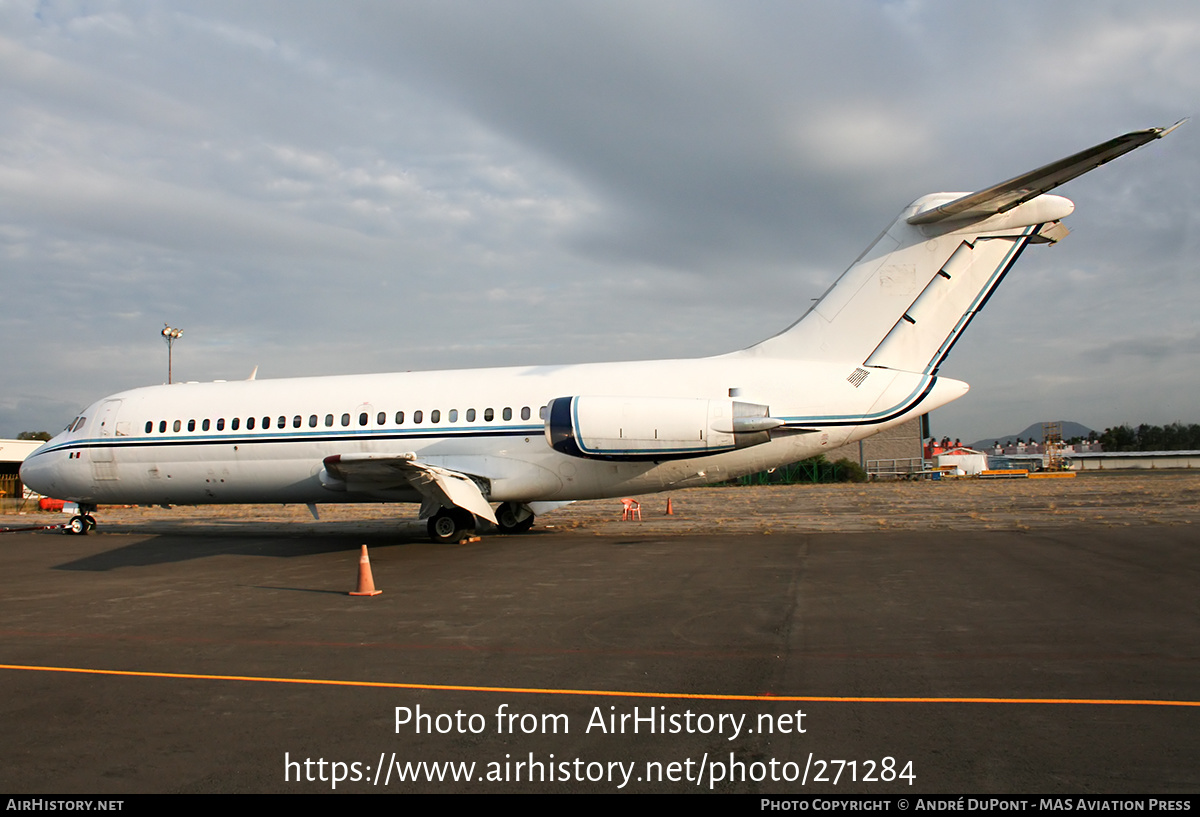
{"x":654,"y":428}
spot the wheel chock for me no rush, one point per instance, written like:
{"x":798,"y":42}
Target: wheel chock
{"x":366,"y":583}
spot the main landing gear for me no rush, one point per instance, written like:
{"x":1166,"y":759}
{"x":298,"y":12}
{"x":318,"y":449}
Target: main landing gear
{"x":453,"y":524}
{"x":513,"y":517}
{"x":83,"y":523}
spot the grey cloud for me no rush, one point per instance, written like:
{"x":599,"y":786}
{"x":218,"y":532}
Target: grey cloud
{"x":361,"y":186}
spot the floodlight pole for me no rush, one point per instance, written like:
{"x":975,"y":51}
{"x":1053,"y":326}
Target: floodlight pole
{"x":170,"y":335}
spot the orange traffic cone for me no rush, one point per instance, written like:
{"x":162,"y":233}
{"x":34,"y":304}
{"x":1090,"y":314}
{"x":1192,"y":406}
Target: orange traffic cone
{"x":366,"y":584}
{"x":669,"y":511}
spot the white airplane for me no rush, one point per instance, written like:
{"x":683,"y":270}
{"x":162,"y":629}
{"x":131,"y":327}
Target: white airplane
{"x":863,"y":358}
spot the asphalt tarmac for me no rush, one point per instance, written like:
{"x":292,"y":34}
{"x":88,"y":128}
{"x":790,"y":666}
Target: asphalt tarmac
{"x":915,"y":661}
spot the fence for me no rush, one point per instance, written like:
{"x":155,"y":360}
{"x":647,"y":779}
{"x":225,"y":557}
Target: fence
{"x":812,"y":470}
{"x":10,"y":493}
{"x":895,"y":468}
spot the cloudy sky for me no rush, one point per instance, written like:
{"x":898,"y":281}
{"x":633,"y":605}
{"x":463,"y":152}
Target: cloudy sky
{"x":318,"y":188}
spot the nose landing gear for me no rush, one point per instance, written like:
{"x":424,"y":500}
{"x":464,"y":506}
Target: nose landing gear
{"x":83,"y":523}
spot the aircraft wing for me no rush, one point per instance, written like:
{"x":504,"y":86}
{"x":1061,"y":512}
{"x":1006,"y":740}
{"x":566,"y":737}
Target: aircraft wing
{"x":1009,"y":194}
{"x":439,"y":486}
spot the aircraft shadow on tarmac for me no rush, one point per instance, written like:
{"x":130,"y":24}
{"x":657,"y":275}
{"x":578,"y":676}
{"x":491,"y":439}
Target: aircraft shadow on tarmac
{"x":245,"y":539}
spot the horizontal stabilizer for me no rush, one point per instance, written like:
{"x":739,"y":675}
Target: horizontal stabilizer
{"x":439,"y":486}
{"x":1009,"y":194}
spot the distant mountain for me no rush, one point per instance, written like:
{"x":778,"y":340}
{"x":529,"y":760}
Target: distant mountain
{"x":1069,"y":430}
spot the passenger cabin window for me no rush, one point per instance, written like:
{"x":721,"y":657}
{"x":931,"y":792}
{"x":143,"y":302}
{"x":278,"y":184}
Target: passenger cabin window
{"x":162,"y":426}
{"x":281,"y":422}
{"x":175,"y":426}
{"x":297,"y":421}
{"x":149,"y":426}
{"x":221,"y":424}
{"x":233,"y":424}
{"x":266,"y":423}
{"x":453,"y":414}
{"x":329,"y":421}
{"x":489,"y":415}
{"x":435,"y":416}
{"x":363,"y":418}
{"x":524,"y":412}
{"x":542,"y":413}
{"x":399,"y":418}
{"x":507,"y":413}
{"x":204,"y":426}
{"x":381,"y":419}
{"x":470,"y":415}
{"x":249,"y":423}
{"x":417,"y":417}
{"x":191,"y":425}
{"x":312,"y":421}
{"x":345,"y":419}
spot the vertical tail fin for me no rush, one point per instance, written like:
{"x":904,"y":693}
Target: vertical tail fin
{"x":906,"y":300}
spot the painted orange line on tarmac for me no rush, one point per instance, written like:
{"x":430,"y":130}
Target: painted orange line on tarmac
{"x":601,"y":692}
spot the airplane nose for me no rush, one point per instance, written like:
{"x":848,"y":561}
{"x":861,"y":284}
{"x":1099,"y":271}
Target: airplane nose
{"x":37,"y":472}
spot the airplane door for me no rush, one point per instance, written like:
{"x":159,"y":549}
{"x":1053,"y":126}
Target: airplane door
{"x":103,"y":466}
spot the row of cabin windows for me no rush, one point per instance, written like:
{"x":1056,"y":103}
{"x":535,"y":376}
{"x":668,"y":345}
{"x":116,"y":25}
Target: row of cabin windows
{"x":364,"y":418}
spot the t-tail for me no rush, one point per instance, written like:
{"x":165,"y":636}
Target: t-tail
{"x":906,"y":300}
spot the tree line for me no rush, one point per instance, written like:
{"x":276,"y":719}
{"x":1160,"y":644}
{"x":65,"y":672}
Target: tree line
{"x":1172,"y":437}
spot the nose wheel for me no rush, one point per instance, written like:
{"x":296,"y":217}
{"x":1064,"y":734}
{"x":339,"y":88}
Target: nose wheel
{"x":81,"y":525}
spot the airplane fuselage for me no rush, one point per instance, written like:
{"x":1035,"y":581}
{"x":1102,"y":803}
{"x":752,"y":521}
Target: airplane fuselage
{"x":265,"y":440}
